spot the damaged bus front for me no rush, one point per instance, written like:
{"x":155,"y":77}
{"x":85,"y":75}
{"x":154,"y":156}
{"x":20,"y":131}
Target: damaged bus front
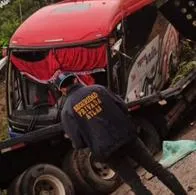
{"x":131,"y":50}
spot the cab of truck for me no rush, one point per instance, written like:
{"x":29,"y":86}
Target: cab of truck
{"x":125,"y":45}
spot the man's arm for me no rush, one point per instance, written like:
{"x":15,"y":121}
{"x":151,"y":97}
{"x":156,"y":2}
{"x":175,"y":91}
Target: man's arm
{"x":72,"y":131}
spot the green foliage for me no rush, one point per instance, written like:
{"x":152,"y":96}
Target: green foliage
{"x":184,"y":70}
{"x":13,"y":14}
{"x":188,"y":61}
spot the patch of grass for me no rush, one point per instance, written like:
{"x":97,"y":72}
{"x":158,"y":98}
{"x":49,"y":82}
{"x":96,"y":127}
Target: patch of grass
{"x":188,"y":61}
{"x":4,"y":192}
{"x":184,"y":69}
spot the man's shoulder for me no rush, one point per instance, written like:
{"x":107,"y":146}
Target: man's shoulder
{"x":85,"y":91}
{"x":97,"y":87}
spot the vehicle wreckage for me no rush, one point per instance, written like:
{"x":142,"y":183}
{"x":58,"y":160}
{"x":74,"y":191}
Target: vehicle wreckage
{"x":129,"y":46}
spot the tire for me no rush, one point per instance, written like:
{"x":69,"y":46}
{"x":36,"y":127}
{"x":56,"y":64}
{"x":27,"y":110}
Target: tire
{"x":14,"y":188}
{"x":70,"y":166}
{"x":83,"y":165}
{"x":45,"y":178}
{"x":148,"y":134}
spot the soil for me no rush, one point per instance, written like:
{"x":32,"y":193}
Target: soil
{"x":3,"y":118}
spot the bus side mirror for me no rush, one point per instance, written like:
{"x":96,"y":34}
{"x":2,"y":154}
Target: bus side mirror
{"x":116,"y":46}
{"x":3,"y":62}
{"x":116,"y":49}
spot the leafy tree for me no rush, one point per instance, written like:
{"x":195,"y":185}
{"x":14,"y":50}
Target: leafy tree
{"x":14,"y":13}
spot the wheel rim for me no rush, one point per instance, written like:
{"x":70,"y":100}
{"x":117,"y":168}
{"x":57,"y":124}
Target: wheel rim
{"x":102,"y":170}
{"x":48,"y":185}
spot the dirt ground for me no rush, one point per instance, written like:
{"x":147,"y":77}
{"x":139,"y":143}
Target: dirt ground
{"x":184,"y":170}
{"x":3,"y":118}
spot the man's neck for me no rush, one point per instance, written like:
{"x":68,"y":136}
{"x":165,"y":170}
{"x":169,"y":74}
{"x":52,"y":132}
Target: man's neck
{"x":73,"y":87}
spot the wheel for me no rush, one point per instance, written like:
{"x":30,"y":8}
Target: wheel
{"x":46,"y":179}
{"x":94,"y":175}
{"x":148,"y":134}
{"x":97,"y":174}
{"x":14,"y":188}
{"x":70,"y":166}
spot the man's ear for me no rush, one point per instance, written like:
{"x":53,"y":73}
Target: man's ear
{"x":61,"y":90}
{"x":76,"y":81}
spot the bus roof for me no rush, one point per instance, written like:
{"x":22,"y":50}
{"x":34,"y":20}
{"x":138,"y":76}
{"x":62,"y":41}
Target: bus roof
{"x":73,"y":22}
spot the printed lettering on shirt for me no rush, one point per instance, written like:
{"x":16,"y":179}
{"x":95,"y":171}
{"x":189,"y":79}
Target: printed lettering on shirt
{"x":89,"y":107}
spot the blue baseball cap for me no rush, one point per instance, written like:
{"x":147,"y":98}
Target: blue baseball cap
{"x":62,"y":77}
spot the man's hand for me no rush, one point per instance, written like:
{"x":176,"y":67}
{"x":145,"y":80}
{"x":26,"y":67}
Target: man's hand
{"x":66,"y":136}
